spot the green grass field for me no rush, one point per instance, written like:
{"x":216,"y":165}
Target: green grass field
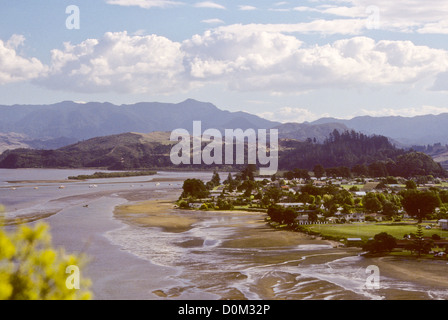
{"x":369,"y":230}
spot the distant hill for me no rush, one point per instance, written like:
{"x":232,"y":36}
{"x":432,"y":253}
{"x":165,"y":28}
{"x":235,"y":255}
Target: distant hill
{"x":120,"y":152}
{"x":64,"y":123}
{"x":56,"y":125}
{"x":11,"y":140}
{"x":419,"y":130}
{"x":148,"y":151}
{"x":84,"y":121}
{"x":304,"y":131}
{"x":364,"y":155}
{"x":437,"y":151}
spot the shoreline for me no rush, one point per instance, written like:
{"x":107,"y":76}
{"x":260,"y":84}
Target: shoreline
{"x":120,"y":274}
{"x":82,"y":226}
{"x":428,"y":273}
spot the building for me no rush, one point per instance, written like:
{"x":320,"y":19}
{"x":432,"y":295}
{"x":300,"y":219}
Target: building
{"x":443,"y":223}
{"x":353,"y":242}
{"x":294,"y":205}
{"x":370,"y":186}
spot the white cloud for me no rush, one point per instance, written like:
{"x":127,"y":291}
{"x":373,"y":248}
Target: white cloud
{"x":246,"y":8}
{"x":440,"y":27}
{"x":288,"y":114}
{"x":319,"y":26}
{"x":120,"y":63}
{"x":405,"y":112}
{"x":13,"y":66}
{"x":209,"y":5}
{"x":146,"y":4}
{"x":212,"y":21}
{"x":422,"y":16}
{"x":252,"y":60}
{"x":244,"y":60}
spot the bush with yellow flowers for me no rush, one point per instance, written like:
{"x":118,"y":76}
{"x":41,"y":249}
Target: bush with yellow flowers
{"x":31,"y":269}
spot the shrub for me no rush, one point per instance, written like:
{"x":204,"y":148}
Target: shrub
{"x":382,"y":242}
{"x":435,"y":236}
{"x":30,"y":269}
{"x":183,"y":204}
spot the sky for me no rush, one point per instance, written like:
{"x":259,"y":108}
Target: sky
{"x":288,"y":61}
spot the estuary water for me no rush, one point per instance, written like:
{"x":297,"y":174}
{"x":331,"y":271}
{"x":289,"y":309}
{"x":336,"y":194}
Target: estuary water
{"x":220,"y":255}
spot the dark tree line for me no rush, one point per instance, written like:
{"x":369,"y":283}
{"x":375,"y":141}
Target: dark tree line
{"x":351,"y":154}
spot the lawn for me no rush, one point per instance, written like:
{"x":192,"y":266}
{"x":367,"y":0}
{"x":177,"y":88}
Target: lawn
{"x":348,"y":186}
{"x":369,"y":230}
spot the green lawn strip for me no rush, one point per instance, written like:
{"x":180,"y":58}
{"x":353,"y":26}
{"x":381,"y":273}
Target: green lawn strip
{"x":348,"y":186}
{"x":369,"y":230}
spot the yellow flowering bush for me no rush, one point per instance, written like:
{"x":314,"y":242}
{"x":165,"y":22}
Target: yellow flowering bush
{"x":31,"y":269}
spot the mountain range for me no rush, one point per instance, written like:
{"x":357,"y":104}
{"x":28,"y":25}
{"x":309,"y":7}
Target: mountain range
{"x":87,"y":120}
{"x":340,"y":152}
{"x":408,"y":131}
{"x":56,"y":125}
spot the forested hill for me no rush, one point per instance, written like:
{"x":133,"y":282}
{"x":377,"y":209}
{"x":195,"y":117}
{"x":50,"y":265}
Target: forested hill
{"x":364,"y":155}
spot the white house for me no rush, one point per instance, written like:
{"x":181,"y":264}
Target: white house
{"x":294,"y":205}
{"x":443,"y":223}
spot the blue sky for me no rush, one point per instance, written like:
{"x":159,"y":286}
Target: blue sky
{"x":283,"y":60}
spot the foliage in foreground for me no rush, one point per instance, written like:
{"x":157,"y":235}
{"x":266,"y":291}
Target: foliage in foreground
{"x":30,"y":269}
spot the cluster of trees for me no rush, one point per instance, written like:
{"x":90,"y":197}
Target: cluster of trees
{"x":325,"y":200}
{"x":384,"y":242}
{"x":351,"y":154}
{"x":417,"y":203}
{"x":104,"y":175}
{"x":282,"y":215}
{"x":421,"y":204}
{"x":194,"y":188}
{"x":381,"y":242}
{"x":339,"y":149}
{"x":409,"y":165}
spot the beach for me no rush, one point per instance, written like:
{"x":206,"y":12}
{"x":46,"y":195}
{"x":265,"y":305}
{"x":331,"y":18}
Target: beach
{"x":255,"y":261}
{"x":141,"y":247}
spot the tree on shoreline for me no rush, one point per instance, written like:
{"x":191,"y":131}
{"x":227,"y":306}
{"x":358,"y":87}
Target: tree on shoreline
{"x":194,"y":188}
{"x":420,"y":204}
{"x":382,"y":242}
{"x":420,"y":245}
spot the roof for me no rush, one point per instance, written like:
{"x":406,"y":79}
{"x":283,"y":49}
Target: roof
{"x":369,"y":186}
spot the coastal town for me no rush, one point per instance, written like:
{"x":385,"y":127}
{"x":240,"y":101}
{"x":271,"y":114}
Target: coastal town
{"x":351,"y":210}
